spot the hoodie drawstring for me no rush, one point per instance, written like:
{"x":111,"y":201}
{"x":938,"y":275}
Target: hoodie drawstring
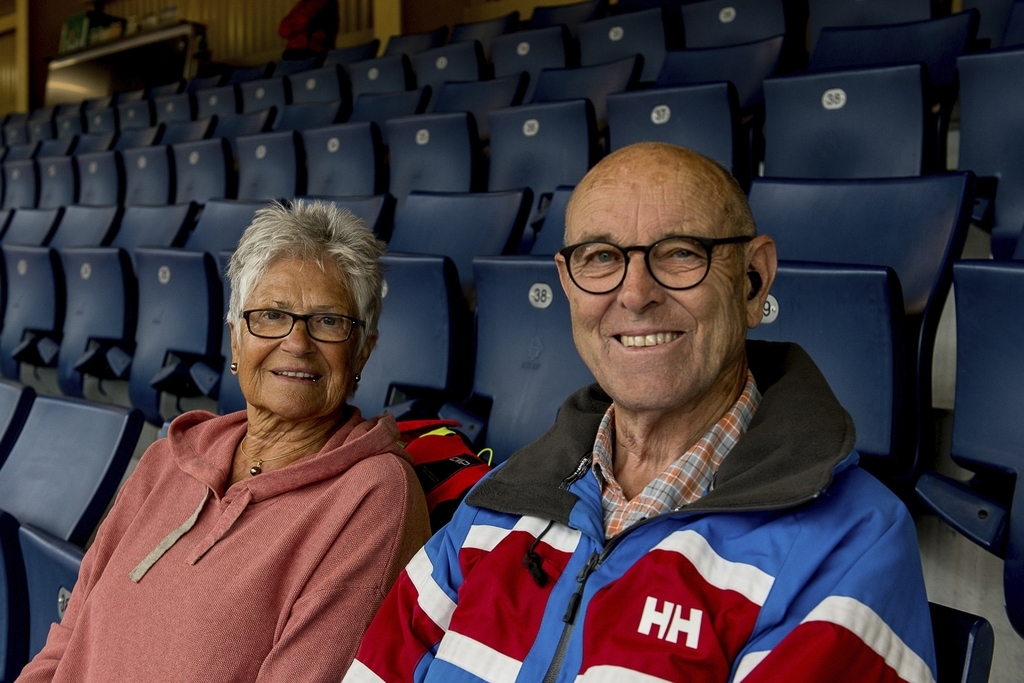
{"x":166,"y":544}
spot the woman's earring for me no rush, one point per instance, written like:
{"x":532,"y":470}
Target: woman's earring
{"x":357,"y":378}
{"x":234,"y":368}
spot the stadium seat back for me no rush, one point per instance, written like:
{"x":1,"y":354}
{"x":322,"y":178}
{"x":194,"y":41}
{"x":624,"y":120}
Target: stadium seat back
{"x":455,"y":62}
{"x":203,"y":170}
{"x":344,"y":56}
{"x":34,"y":316}
{"x":390,"y":73}
{"x":624,"y":35}
{"x":485,"y":31}
{"x":411,"y":43}
{"x":530,"y":52}
{"x":526,"y":359}
{"x":149,"y":175}
{"x":594,"y":83}
{"x":100,"y":178}
{"x":345,"y":159}
{"x":263,"y":94}
{"x":86,"y":226}
{"x":32,"y":227}
{"x":571,"y":14}
{"x":58,"y":181}
{"x":481,"y":97}
{"x":270,"y":166}
{"x":851,"y":124}
{"x":380,"y":107}
{"x":826,"y":13}
{"x":433,"y":152}
{"x":220,"y":101}
{"x":174,"y":108}
{"x":21,"y":184}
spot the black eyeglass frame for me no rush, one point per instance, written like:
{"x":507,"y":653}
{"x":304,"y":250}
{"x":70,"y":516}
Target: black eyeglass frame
{"x":305,"y":320}
{"x":709,"y":243}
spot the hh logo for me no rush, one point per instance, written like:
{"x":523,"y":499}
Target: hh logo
{"x":670,"y":622}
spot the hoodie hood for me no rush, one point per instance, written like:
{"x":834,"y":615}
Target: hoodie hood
{"x":203,"y":447}
{"x":797,"y":440}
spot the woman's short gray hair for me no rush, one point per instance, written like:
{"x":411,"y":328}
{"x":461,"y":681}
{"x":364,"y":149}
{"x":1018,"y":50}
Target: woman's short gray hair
{"x":315,"y":231}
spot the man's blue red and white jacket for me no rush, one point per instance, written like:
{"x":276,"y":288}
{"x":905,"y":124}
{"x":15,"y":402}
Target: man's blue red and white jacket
{"x":796,"y":566}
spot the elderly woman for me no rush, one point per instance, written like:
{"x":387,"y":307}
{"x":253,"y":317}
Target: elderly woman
{"x":257,"y":546}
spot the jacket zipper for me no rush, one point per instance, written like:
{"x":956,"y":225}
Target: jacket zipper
{"x":570,"y":617}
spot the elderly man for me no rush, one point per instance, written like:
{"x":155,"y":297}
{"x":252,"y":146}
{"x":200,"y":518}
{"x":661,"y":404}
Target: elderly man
{"x":698,"y":514}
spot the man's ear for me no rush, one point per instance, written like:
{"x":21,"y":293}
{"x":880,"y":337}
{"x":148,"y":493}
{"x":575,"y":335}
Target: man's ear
{"x":762,"y":262}
{"x":563,"y":274}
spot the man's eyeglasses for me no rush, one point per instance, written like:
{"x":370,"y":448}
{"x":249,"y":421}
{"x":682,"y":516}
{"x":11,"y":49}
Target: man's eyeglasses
{"x":270,"y":323}
{"x":677,"y":262}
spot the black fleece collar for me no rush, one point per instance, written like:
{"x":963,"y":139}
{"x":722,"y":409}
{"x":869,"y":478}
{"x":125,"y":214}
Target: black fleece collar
{"x":788,"y":456}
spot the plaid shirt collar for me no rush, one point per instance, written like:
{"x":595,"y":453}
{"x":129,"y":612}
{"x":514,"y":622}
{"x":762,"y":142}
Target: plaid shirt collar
{"x":685,"y":480}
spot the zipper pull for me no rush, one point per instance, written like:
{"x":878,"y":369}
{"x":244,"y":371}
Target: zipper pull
{"x":581,"y":579}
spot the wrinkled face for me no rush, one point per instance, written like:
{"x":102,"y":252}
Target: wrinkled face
{"x":295,"y":377}
{"x":650,"y":348}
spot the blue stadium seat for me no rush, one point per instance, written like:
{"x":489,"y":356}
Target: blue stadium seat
{"x":51,"y":570}
{"x":101,"y":120}
{"x":99,"y":324}
{"x":721,"y":23}
{"x":58,"y":181}
{"x":411,"y":43}
{"x":461,"y":226}
{"x":220,"y":101}
{"x":592,"y":82}
{"x":287,"y":67}
{"x":344,"y":56}
{"x":485,"y":31}
{"x":270,"y":166}
{"x":198,"y":83}
{"x":102,"y":296}
{"x":244,"y":74}
{"x":987,"y":424}
{"x":746,"y":66}
{"x":935,"y":43}
{"x":994,"y":16}
{"x":40,"y":124}
{"x":541,"y":146}
{"x":100,"y":178}
{"x":433,"y":152}
{"x":94,"y":103}
{"x":221,"y":224}
{"x":963,"y":645}
{"x":1014,"y":34}
{"x":379,"y":107}
{"x":229,"y":391}
{"x":188,"y":131}
{"x":123,"y":96}
{"x":481,"y":97}
{"x":165,"y":89}
{"x":155,"y":226}
{"x":303,"y":116}
{"x":377,"y":212}
{"x":850,"y":320}
{"x":825,"y":13}
{"x":230,"y":127}
{"x":916,"y":226}
{"x":424,"y":336}
{"x":704,"y":118}
{"x":390,"y":73}
{"x":625,"y":35}
{"x":177,"y":339}
{"x":174,"y":108}
{"x":851,"y":124}
{"x":263,"y":94}
{"x":15,"y":402}
{"x":326,"y":84}
{"x":58,"y":147}
{"x":526,"y":361}
{"x":149,"y":175}
{"x":992,"y":138}
{"x":135,"y":114}
{"x":203,"y":170}
{"x":69,"y":125}
{"x":33,"y":227}
{"x":58,"y":480}
{"x":82,"y":226}
{"x":571,"y":15}
{"x":139,"y":137}
{"x":21,"y":152}
{"x":94,"y":142}
{"x":530,"y":52}
{"x":16,"y":132}
{"x":344,"y":159}
{"x":551,"y":231}
{"x":456,"y":62}
{"x":21,"y":184}
{"x":34,"y":317}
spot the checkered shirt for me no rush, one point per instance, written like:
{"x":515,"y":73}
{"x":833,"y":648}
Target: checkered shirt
{"x":685,"y":480}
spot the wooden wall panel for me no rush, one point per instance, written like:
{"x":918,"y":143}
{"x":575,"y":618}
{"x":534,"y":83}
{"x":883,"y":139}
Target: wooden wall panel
{"x":9,"y":77}
{"x":245,"y":31}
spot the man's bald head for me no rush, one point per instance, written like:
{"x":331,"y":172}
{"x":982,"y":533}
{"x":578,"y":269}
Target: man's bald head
{"x":671,"y":169}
